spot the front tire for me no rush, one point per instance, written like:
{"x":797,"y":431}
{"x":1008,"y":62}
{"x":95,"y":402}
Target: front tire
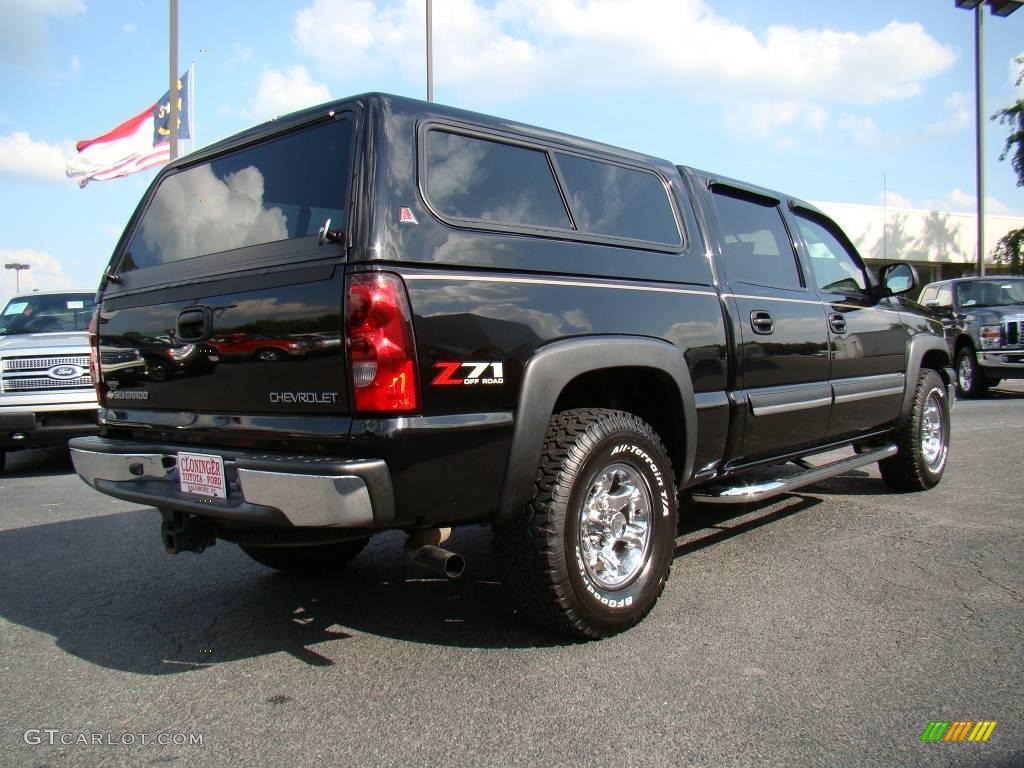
{"x":315,"y":560}
{"x":970,"y":381}
{"x":923,"y":441}
{"x":592,"y":552}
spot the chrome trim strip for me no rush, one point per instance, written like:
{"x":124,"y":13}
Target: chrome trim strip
{"x":854,"y":396}
{"x":571,"y":283}
{"x":819,"y":302}
{"x":771,"y":298}
{"x":768,"y":410}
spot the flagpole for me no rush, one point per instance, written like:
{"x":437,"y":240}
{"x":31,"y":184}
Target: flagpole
{"x":173,"y":90}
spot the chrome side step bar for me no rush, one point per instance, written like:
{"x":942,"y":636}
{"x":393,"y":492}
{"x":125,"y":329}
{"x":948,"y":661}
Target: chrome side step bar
{"x":743,"y":494}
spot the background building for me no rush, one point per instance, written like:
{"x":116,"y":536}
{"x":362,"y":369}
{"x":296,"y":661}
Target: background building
{"x":941,"y":245}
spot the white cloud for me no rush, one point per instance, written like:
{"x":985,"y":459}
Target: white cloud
{"x":22,"y":157}
{"x":957,"y":115}
{"x":862,"y":129}
{"x":45,"y":273}
{"x":24,"y":37}
{"x":76,"y":64}
{"x":128,"y":29}
{"x":764,"y":118}
{"x":472,"y":48}
{"x":512,"y":46}
{"x":281,"y":92}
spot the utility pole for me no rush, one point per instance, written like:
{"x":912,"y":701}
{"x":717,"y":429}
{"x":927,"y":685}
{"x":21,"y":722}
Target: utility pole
{"x":173,"y":90}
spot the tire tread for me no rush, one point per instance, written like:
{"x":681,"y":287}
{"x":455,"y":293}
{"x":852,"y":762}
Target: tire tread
{"x":535,"y":572}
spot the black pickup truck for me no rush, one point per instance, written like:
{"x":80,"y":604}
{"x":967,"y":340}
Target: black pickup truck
{"x":565,"y":340}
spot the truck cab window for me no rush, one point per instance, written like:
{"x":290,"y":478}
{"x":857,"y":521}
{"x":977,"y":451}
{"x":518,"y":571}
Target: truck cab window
{"x":755,"y":243}
{"x":836,"y":270}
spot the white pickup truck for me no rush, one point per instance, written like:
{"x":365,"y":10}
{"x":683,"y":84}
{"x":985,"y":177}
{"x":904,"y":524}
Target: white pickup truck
{"x":46,"y":388}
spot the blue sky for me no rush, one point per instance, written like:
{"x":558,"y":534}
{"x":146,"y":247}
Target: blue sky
{"x":822,"y":100}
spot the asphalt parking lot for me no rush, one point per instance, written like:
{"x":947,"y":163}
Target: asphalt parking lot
{"x":827,"y":628}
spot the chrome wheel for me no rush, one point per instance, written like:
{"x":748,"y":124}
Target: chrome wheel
{"x":615,"y":526}
{"x":965,"y":373}
{"x":933,"y":433}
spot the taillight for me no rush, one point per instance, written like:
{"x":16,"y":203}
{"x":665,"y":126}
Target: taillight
{"x":381,"y":352}
{"x":94,"y":355}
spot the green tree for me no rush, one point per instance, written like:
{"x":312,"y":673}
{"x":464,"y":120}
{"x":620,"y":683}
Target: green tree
{"x":1009,"y":251}
{"x":1010,"y":248}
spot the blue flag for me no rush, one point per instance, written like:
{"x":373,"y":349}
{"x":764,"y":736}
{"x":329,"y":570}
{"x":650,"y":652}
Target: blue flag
{"x":162,"y":113}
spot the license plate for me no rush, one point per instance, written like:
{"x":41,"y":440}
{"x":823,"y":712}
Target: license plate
{"x":202,"y":474}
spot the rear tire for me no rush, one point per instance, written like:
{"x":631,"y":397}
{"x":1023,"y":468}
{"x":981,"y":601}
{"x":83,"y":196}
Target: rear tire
{"x":315,"y":560}
{"x":970,"y":381}
{"x":923,"y":441}
{"x":593,"y":550}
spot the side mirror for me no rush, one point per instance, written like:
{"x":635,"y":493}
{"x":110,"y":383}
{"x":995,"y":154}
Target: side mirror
{"x":899,"y":278}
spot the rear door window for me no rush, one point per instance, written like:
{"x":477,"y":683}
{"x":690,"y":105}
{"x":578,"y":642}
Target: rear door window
{"x":478,"y":179}
{"x":278,"y":190}
{"x":755,"y":242}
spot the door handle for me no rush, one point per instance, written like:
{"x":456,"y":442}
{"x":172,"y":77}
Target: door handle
{"x":195,"y":324}
{"x":837,"y":323}
{"x":761,"y":322}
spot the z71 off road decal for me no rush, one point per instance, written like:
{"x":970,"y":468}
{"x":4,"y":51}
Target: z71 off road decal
{"x":457,"y":374}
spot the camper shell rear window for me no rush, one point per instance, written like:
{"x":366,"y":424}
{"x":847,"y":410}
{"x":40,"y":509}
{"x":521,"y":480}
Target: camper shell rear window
{"x":276,"y":190}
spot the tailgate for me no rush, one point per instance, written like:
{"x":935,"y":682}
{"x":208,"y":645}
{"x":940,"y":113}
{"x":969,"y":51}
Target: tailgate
{"x":270,"y":348}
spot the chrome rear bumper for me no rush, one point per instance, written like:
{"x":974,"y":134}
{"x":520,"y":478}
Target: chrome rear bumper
{"x":262,"y":489}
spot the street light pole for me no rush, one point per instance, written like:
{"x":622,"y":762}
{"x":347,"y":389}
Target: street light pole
{"x":17,"y":273}
{"x":999,"y":8}
{"x":979,"y":133}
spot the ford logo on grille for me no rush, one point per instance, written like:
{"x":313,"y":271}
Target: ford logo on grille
{"x":64,"y":372}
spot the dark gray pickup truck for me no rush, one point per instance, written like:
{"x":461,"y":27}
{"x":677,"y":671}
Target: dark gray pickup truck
{"x":984,"y":318}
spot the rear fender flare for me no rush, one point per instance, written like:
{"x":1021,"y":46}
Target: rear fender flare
{"x":547,"y":374}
